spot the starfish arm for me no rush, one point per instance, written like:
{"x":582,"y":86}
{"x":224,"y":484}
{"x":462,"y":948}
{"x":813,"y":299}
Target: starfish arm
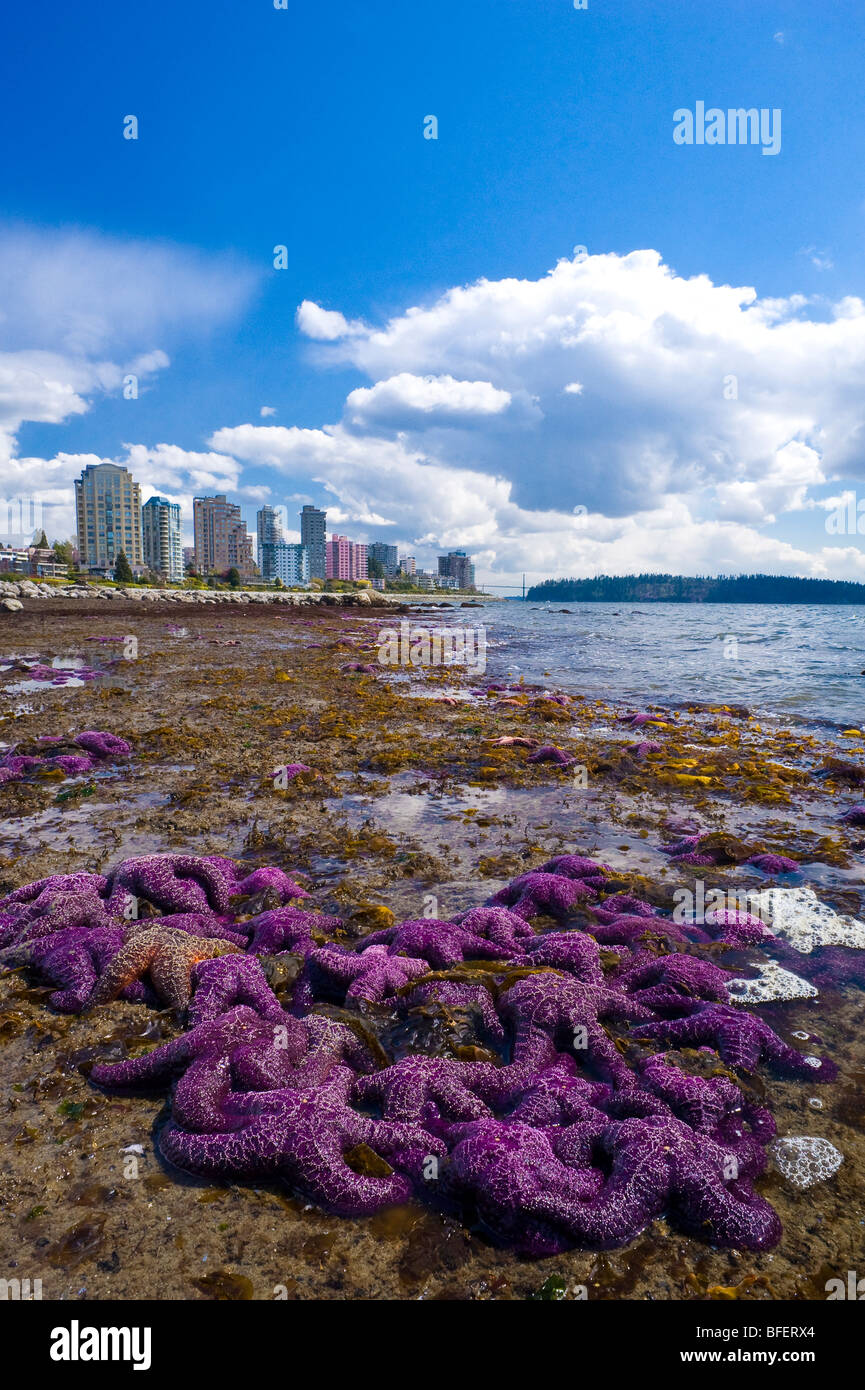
{"x":221,"y":983}
{"x":130,"y":963}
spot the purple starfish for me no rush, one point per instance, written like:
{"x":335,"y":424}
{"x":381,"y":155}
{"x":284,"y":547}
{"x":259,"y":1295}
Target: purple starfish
{"x":458,"y":995}
{"x":573,"y":951}
{"x":619,"y":905}
{"x":646,"y":746}
{"x":690,"y":850}
{"x":288,"y":771}
{"x":73,"y":960}
{"x":287,"y":929}
{"x":626,"y":931}
{"x":559,"y":1096}
{"x":188,"y":883}
{"x":575,"y":866}
{"x":672,"y":983}
{"x":855,"y":816}
{"x":59,"y":902}
{"x":368,"y":975}
{"x":736,"y":928}
{"x":440,"y":944}
{"x":702,"y":1102}
{"x":306,"y":1137}
{"x":96,"y":744}
{"x":572,"y":1142}
{"x":37,"y":893}
{"x":17,"y":765}
{"x":72,"y":765}
{"x":551,"y":754}
{"x":686,"y":851}
{"x":550,"y":1009}
{"x":103,"y":745}
{"x":773,"y":863}
{"x":262,"y":880}
{"x":524,"y":1193}
{"x":538,"y":1190}
{"x":707,"y":1203}
{"x":741,"y":1040}
{"x":221,"y":984}
{"x":637,"y":721}
{"x":422,"y":1089}
{"x":7,"y":773}
{"x":179,"y":882}
{"x":503,"y":928}
{"x":263,"y":1055}
{"x":330,"y":1043}
{"x":535,"y":893}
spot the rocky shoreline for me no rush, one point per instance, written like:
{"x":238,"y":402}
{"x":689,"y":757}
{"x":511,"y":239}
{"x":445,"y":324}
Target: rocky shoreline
{"x":13,"y":591}
{"x":11,"y":594}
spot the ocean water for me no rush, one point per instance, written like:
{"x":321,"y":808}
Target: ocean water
{"x":802,"y":662}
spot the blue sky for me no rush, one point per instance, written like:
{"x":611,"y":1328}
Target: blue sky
{"x":304,"y":127}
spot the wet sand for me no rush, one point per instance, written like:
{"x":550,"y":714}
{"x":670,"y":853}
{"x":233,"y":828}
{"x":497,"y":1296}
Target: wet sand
{"x":405,"y":810}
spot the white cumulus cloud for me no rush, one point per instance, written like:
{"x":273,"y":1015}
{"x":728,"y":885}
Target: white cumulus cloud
{"x":404,"y":398}
{"x":687,"y":386}
{"x":327,"y":325}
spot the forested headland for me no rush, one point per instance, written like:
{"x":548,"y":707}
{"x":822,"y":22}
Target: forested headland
{"x":677,"y":588}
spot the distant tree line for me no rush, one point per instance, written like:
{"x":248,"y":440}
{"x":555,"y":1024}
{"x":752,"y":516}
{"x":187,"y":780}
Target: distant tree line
{"x":677,"y":588}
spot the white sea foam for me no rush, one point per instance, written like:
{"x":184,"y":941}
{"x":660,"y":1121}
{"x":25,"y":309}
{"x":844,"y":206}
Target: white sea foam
{"x":798,"y":915}
{"x":773,"y":983}
{"x":805,"y":1160}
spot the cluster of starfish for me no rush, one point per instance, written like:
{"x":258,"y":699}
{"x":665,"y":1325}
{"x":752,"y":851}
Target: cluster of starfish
{"x":548,"y":753}
{"x":72,"y":756}
{"x":57,"y":675}
{"x":694,"y":850}
{"x":569,"y":1130}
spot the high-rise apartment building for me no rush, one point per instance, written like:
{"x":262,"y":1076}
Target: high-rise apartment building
{"x":108,"y":510}
{"x":458,"y":566}
{"x":222,"y":541}
{"x":289,"y":562}
{"x":269,"y":527}
{"x":314,"y":536}
{"x":386,"y":555}
{"x":407,"y":565}
{"x":344,"y":559}
{"x":162,"y":538}
{"x":269,"y":532}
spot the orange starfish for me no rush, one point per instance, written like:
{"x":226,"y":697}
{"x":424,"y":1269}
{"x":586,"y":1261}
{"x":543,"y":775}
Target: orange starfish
{"x":167,"y":955}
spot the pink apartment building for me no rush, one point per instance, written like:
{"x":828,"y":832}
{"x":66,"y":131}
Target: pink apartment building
{"x":344,"y":559}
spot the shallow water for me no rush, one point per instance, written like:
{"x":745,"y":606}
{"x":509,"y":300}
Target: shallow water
{"x":802,"y":661}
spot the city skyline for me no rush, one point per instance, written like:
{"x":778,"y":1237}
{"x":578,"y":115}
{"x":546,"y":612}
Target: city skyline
{"x":277,"y":511}
{"x":112,"y":522}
